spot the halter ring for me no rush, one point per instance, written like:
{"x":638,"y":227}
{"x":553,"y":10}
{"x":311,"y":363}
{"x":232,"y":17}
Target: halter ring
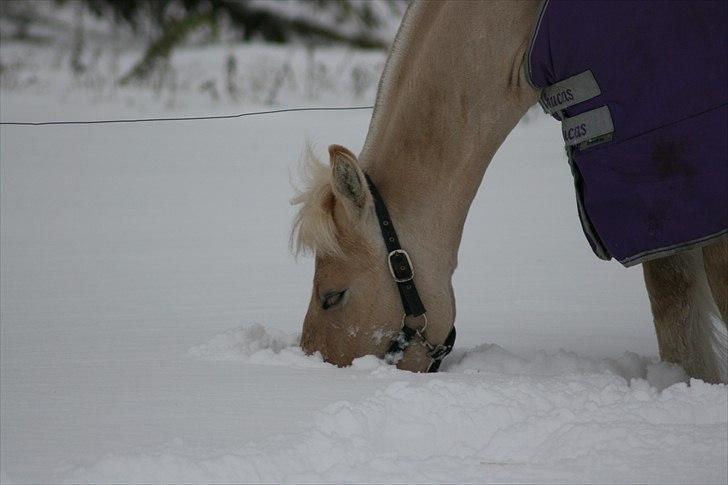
{"x":420,"y":331}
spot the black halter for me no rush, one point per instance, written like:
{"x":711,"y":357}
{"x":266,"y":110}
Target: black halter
{"x":400,"y":266}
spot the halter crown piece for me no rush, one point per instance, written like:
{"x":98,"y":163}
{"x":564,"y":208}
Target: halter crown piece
{"x":402,"y":270}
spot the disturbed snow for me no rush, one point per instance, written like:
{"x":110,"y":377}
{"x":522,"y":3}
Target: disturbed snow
{"x":491,"y":416}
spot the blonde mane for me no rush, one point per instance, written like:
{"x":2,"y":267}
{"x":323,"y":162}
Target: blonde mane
{"x":314,"y":229}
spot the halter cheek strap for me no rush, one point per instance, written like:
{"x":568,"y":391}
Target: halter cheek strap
{"x":402,"y":270}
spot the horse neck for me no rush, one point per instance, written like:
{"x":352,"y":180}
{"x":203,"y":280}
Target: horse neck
{"x":453,"y":88}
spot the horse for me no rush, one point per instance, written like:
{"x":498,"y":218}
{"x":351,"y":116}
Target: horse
{"x":456,"y":82}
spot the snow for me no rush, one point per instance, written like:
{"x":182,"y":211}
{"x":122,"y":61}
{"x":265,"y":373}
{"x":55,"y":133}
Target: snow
{"x":255,"y":344}
{"x":574,"y":428}
{"x":150,"y":308}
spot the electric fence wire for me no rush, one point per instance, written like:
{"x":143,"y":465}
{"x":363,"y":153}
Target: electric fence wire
{"x":184,"y":118}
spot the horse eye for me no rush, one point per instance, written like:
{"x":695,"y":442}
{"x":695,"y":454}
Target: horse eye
{"x":332,"y":298}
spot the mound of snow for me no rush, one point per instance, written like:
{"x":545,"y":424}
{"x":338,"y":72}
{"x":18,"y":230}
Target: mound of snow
{"x":491,"y":416}
{"x":254,"y":344}
{"x":495,"y":359}
{"x":485,"y":428}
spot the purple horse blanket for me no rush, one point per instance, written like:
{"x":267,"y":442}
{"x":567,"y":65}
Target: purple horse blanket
{"x":641,"y":89}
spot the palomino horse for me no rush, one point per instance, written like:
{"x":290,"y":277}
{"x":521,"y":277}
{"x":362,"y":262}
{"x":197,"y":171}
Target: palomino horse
{"x":456,"y":82}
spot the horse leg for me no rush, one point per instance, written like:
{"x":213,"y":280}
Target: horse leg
{"x":715,"y":257}
{"x":685,"y":315}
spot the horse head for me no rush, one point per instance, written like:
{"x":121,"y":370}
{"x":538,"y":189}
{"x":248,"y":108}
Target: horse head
{"x":356,"y":306}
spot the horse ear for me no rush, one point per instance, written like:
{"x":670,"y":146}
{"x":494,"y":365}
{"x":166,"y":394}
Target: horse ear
{"x":348,"y":182}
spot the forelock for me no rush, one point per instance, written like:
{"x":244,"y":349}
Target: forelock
{"x":314,"y":229}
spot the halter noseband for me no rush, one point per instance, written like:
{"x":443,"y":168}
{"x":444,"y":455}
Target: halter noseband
{"x":402,"y":270}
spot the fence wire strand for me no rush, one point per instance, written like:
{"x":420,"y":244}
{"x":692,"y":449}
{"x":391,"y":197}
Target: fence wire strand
{"x":184,"y":118}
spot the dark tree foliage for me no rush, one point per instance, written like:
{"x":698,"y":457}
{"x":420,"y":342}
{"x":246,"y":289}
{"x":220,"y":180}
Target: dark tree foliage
{"x":252,"y":19}
{"x":176,"y":19}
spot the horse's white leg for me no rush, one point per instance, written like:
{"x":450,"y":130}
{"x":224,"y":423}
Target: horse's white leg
{"x":715,"y":257}
{"x":689,"y":329}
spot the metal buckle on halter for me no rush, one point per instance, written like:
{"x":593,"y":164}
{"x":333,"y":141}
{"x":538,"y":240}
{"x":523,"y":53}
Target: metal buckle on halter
{"x":400,"y":265}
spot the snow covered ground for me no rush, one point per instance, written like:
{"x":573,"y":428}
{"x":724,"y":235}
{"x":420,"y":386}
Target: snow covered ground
{"x":150,"y":306}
